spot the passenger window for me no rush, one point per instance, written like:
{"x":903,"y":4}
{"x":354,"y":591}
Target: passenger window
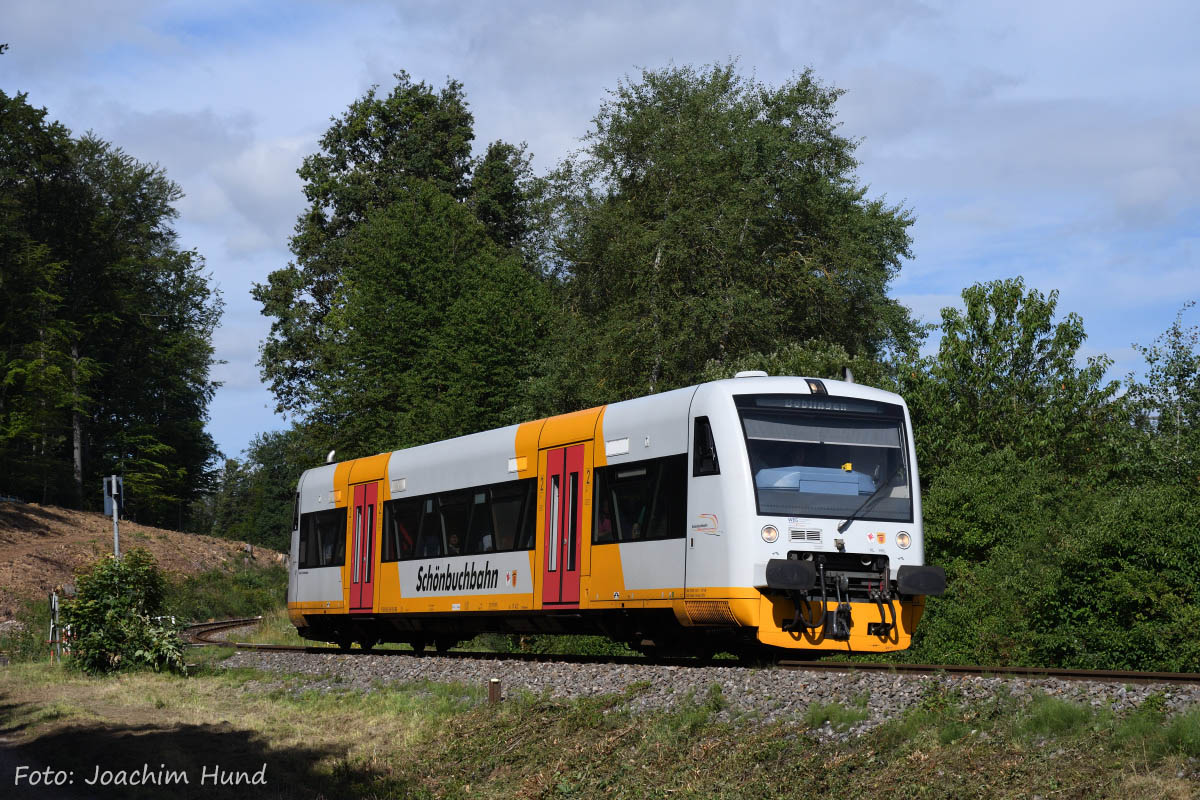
{"x":323,"y":539}
{"x":481,"y":536}
{"x":639,"y":501}
{"x":529,"y":518}
{"x":456,"y":512}
{"x":507,"y":502}
{"x":429,"y":542}
{"x":486,"y":519}
{"x":401,"y":522}
{"x":704,"y":450}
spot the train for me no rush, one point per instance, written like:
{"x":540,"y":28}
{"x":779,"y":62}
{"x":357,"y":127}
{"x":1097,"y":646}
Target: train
{"x":757,"y":513}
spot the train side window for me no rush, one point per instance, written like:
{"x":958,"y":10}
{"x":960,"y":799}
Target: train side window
{"x":429,"y":541}
{"x":704,"y":450}
{"x":639,"y":501}
{"x":528,"y":536}
{"x":481,"y":532}
{"x":323,"y":539}
{"x":508,"y":500}
{"x":401,"y":522}
{"x":456,"y":514}
{"x":667,"y":520}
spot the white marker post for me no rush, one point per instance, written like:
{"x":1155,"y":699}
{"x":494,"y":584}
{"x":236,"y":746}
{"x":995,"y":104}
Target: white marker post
{"x":116,"y":534}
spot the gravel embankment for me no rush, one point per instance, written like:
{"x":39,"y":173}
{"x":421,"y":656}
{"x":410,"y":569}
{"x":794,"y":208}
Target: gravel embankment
{"x":772,"y":694}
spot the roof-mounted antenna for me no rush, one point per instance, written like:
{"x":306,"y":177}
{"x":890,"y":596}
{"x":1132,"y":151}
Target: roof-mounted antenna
{"x":329,"y":458}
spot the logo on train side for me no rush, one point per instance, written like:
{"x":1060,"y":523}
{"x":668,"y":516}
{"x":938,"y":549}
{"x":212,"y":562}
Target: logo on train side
{"x":707,"y":524}
{"x":465,"y":579}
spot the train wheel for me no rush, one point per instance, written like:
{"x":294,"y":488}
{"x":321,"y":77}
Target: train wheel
{"x":418,"y":646}
{"x":367,"y":642}
{"x":444,"y":644}
{"x":343,"y":643}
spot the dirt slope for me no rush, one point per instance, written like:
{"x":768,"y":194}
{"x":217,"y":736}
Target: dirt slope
{"x":41,"y":547}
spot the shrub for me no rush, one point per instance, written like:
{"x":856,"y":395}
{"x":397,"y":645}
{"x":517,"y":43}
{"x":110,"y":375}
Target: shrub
{"x":114,"y":617}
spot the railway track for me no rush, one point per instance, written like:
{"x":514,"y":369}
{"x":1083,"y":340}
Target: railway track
{"x":204,"y":634}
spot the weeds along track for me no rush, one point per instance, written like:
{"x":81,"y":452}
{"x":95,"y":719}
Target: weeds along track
{"x":208,"y":633}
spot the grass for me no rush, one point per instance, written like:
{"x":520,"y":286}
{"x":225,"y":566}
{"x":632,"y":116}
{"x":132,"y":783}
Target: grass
{"x":236,"y":589}
{"x":443,"y":740}
{"x":840,"y":717}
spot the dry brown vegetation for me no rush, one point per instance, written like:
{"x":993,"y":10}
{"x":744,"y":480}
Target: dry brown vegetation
{"x":42,"y":547}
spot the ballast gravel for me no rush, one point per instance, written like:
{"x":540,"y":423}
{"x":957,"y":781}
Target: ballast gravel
{"x":769,"y":694}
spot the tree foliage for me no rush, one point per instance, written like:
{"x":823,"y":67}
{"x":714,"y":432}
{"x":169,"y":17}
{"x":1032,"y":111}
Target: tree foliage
{"x":254,"y":502}
{"x":1166,"y":407}
{"x":708,"y":217}
{"x":408,"y":314}
{"x":105,"y":339}
{"x":1006,"y":376}
{"x":1056,"y":506}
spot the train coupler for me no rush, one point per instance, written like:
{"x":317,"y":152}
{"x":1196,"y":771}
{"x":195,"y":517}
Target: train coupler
{"x":883,"y":628}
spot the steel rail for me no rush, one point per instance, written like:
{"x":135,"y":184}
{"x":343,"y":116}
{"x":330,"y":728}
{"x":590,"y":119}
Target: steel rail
{"x":1108,"y":676}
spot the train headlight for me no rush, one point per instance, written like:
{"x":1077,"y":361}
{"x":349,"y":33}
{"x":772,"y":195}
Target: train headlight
{"x":770,"y":533}
{"x":904,"y":540}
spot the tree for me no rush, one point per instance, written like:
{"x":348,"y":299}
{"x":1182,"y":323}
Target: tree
{"x":501,"y":192}
{"x":106,"y":351}
{"x":436,"y":325}
{"x":1007,"y":376}
{"x":409,"y":314}
{"x":39,"y":378}
{"x":709,"y":217}
{"x":1166,"y":405}
{"x":369,"y":158}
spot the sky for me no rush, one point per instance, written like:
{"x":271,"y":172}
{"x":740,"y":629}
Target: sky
{"x":1056,"y":141}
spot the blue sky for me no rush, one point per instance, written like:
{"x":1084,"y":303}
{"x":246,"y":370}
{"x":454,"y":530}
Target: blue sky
{"x":1058,"y":141}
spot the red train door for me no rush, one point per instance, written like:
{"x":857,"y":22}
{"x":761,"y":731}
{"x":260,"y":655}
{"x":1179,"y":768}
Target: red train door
{"x":564,"y":522}
{"x":362,"y":566}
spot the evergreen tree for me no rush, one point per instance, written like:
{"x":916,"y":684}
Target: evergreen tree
{"x":105,"y":343}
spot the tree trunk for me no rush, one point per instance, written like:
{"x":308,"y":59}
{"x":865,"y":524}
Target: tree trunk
{"x":76,"y":426}
{"x":656,"y":370}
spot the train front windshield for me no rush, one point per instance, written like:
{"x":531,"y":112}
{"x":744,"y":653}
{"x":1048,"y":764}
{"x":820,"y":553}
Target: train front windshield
{"x":819,"y":456}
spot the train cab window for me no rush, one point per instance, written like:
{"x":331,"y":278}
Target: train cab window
{"x":322,"y":539}
{"x":704,"y":450}
{"x":429,"y":541}
{"x":640,"y":501}
{"x":401,"y":523}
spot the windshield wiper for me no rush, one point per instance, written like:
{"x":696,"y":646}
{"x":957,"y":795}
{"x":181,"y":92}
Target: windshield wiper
{"x":854,"y":514}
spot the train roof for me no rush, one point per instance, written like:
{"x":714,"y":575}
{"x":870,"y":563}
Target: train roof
{"x":442,"y":463}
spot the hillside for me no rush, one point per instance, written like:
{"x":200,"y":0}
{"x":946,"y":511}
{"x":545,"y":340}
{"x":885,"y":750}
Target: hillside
{"x":41,"y":547}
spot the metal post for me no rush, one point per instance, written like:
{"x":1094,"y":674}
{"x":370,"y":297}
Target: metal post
{"x":494,"y":691}
{"x":116,"y":534}
{"x":55,"y":633}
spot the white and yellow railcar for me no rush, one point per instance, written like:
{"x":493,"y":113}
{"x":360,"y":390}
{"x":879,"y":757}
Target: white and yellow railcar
{"x":759,"y":510}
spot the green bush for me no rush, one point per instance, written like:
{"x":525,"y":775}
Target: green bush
{"x":238,"y":590}
{"x":114,"y":618}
